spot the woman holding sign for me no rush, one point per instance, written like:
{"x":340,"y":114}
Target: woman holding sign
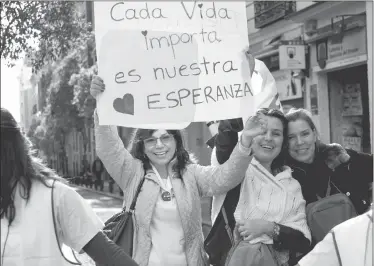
{"x":168,"y":209}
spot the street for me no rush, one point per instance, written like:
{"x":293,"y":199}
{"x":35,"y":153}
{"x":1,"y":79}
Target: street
{"x":104,"y":207}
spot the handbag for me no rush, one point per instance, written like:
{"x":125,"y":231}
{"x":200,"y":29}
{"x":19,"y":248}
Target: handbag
{"x":120,"y":227}
{"x":326,"y":213}
{"x":243,"y":253}
{"x":219,"y":240}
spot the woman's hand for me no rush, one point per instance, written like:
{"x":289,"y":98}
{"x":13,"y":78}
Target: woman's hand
{"x":255,"y":125}
{"x":251,"y":229}
{"x":97,"y":86}
{"x":251,"y":61}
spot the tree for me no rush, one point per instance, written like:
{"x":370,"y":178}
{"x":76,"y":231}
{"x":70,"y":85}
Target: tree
{"x":60,"y":113}
{"x":44,"y":30}
{"x":84,"y":103}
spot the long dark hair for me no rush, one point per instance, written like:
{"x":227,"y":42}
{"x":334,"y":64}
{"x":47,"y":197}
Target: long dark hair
{"x":136,"y":148}
{"x":279,"y":161}
{"x":18,"y":165}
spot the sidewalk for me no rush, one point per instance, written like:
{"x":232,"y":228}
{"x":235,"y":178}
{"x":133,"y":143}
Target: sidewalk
{"x":115,"y":194}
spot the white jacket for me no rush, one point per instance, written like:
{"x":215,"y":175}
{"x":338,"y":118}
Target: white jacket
{"x":354,"y":244}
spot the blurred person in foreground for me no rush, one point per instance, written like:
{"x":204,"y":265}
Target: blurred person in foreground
{"x":349,"y":243}
{"x":39,"y":213}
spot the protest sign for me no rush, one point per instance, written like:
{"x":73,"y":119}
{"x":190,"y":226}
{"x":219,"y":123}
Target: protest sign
{"x":173,"y":62}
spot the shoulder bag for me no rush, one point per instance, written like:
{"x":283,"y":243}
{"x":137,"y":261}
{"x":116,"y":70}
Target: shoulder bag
{"x":326,"y":213}
{"x":120,"y":227}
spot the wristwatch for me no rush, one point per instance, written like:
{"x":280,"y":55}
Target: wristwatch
{"x":211,"y":123}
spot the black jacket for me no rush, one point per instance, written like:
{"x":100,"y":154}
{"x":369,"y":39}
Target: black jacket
{"x":101,"y":166}
{"x":353,"y":178}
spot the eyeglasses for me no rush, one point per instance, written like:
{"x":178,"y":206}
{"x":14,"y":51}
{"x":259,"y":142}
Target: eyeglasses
{"x":165,"y":139}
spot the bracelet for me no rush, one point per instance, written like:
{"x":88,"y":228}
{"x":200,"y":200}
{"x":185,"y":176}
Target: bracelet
{"x":211,"y":123}
{"x":276,"y":231}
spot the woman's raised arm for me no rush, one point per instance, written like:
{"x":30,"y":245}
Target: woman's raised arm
{"x":119,"y":163}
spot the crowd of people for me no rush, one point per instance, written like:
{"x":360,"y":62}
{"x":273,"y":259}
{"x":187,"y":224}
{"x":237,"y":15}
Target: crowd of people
{"x":264,"y":174}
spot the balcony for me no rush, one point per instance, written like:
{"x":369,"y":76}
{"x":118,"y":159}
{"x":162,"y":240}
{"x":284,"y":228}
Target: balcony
{"x":268,"y":12}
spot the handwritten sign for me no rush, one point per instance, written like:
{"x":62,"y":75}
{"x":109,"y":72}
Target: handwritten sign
{"x":172,"y":63}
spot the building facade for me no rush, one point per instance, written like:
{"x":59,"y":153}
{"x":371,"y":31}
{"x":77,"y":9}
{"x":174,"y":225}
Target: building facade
{"x":338,"y":86}
{"x":335,"y":84}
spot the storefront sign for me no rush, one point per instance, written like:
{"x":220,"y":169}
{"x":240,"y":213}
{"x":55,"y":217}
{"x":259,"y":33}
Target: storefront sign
{"x":352,"y":43}
{"x":352,"y":101}
{"x":352,"y":132}
{"x":292,"y":57}
{"x":321,"y":53}
{"x":288,"y":87}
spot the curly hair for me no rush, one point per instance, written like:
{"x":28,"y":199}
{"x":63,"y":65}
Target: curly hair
{"x":18,"y":165}
{"x":183,"y":157}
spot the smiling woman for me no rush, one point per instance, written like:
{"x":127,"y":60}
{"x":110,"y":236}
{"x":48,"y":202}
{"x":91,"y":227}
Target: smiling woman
{"x":168,"y":218}
{"x":158,"y":148}
{"x":270,"y":212}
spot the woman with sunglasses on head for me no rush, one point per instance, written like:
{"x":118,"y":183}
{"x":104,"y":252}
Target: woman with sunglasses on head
{"x":39,"y":212}
{"x":168,"y":209}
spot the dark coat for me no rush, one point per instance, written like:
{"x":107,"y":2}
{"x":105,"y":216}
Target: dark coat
{"x":353,"y":178}
{"x":101,"y":166}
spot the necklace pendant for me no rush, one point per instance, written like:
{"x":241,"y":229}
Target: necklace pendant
{"x":166,"y":196}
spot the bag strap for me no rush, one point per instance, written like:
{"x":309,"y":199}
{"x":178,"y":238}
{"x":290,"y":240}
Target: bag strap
{"x":227,"y":226}
{"x":336,"y":248}
{"x":328,"y":191}
{"x":56,"y":234}
{"x":133,"y":203}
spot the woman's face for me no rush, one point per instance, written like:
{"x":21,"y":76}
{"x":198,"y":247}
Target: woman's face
{"x":266,"y":147}
{"x":160,"y":148}
{"x":301,"y":141}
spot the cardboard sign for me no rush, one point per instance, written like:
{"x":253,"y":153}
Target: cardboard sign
{"x":166,"y":64}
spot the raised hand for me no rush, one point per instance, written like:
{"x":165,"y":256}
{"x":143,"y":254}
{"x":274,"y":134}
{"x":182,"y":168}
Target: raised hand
{"x":251,"y":61}
{"x":97,"y":86}
{"x":256,"y":125}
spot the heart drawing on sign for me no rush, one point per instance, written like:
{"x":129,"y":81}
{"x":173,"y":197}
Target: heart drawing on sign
{"x":124,"y":105}
{"x":200,"y":5}
{"x":144,"y":32}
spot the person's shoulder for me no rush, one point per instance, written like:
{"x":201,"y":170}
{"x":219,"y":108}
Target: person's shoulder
{"x":356,"y":222}
{"x":64,"y":192}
